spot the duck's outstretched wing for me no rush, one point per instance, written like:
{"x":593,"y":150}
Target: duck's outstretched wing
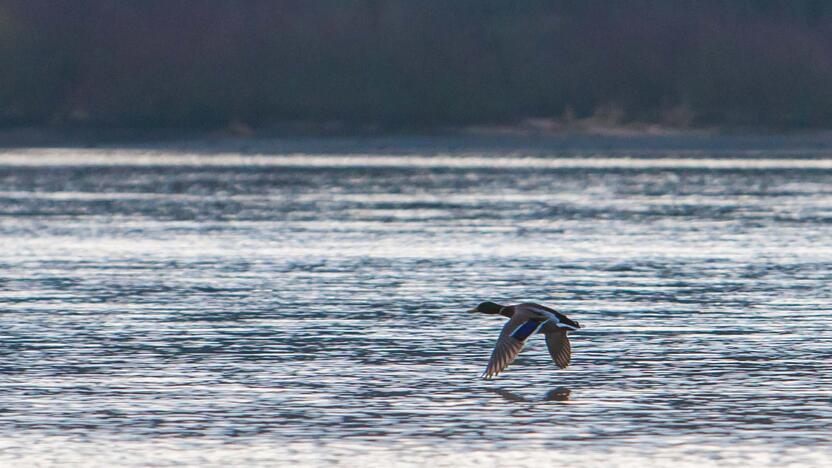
{"x":559,"y":347}
{"x":508,"y":346}
{"x":544,"y":312}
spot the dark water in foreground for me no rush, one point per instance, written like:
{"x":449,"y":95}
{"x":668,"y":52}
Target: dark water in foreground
{"x":215,"y":309}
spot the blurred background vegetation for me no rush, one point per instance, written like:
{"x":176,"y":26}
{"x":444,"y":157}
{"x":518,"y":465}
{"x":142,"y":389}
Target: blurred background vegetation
{"x":403,"y":63}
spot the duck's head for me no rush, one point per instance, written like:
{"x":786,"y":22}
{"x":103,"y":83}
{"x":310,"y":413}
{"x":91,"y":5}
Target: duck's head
{"x":488,"y":308}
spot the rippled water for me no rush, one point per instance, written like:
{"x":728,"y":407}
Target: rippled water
{"x":203,"y":308}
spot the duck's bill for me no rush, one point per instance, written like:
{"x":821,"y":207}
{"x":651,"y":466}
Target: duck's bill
{"x":473,"y":311}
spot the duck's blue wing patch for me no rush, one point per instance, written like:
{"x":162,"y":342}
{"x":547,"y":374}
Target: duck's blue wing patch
{"x":525,"y":330}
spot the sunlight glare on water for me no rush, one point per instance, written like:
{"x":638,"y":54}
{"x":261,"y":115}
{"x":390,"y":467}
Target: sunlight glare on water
{"x":228,"y":309}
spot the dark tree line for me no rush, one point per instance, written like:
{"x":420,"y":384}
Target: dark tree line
{"x":174,"y":63}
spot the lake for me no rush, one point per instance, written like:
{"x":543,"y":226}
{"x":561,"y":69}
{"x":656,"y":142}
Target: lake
{"x":304,"y":303}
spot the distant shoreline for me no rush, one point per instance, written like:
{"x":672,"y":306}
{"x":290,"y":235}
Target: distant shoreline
{"x":338,"y":138}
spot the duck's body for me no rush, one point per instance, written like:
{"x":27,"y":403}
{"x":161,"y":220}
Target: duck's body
{"x":524,"y":321}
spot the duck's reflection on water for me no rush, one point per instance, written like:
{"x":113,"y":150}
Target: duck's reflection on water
{"x":555,"y":394}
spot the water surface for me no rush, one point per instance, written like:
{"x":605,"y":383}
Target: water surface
{"x":212,"y":307}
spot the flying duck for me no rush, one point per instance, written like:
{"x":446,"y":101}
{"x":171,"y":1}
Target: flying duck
{"x":524,"y":321}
